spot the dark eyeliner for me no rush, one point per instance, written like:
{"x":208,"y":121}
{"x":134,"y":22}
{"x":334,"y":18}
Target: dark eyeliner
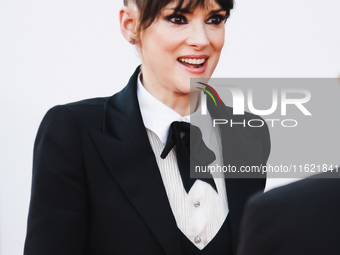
{"x":219,"y":17}
{"x":177,"y":19}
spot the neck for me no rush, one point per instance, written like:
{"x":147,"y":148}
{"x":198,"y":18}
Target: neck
{"x":182,"y":103}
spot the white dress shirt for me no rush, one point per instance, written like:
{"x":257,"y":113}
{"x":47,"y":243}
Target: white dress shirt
{"x":201,"y":213}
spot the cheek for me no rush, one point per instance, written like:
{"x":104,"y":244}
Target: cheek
{"x":217,"y":39}
{"x":160,"y":44}
{"x":168,"y":41}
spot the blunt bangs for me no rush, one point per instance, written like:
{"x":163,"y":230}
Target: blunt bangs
{"x":150,"y":9}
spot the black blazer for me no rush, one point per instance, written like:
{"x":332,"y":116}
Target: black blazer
{"x":296,"y":219}
{"x":97,"y":188}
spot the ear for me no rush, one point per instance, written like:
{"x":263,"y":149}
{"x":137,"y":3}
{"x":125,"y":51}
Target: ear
{"x":128,"y":22}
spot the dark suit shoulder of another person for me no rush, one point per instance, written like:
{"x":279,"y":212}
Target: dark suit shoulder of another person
{"x":299,"y":218}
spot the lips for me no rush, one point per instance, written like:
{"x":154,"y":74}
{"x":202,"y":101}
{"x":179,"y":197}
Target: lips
{"x":194,"y":63}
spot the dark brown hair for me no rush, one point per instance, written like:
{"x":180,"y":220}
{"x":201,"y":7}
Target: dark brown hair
{"x":150,"y":9}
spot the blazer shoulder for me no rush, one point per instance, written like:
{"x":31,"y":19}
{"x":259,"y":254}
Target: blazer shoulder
{"x":87,"y":103}
{"x":80,"y":106}
{"x":320,"y":186}
{"x":81,"y":114}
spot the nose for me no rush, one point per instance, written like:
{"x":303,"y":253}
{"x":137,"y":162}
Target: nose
{"x":198,"y":37}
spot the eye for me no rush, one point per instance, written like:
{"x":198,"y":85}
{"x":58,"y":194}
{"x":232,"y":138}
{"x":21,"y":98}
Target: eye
{"x":177,"y":19}
{"x":216,"y":19}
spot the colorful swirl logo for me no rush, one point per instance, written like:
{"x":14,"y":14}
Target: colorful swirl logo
{"x":209,"y":93}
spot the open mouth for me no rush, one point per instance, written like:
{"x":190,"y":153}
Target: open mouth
{"x":192,"y":62}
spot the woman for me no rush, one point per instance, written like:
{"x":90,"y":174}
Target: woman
{"x":100,"y":184}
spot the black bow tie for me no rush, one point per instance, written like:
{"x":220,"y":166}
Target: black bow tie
{"x":201,"y":155}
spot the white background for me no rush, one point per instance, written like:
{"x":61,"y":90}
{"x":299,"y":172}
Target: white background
{"x":54,"y":52}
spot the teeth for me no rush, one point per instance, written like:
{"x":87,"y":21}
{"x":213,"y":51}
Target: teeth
{"x":194,"y":61}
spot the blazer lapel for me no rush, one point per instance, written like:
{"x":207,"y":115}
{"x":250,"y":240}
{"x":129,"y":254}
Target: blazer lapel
{"x":127,"y":153}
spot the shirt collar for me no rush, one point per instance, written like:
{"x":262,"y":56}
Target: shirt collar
{"x":158,"y":117}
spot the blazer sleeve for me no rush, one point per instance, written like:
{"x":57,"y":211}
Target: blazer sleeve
{"x":58,"y":213}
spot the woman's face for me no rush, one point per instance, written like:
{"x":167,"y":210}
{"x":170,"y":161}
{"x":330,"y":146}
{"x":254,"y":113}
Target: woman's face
{"x":177,"y":47}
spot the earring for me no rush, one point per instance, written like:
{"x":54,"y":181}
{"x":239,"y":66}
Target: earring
{"x":133,"y":41}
